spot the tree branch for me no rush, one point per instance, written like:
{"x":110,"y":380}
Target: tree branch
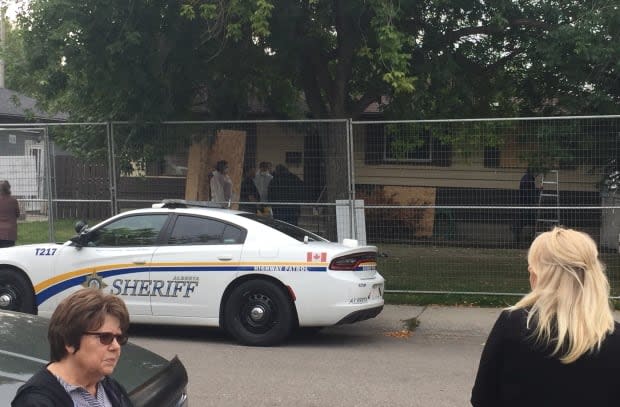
{"x":494,"y":29}
{"x":503,"y":60}
{"x":311,"y":88}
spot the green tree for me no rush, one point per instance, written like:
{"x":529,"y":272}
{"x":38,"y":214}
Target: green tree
{"x":108,"y":60}
{"x":164,"y":59}
{"x":434,"y":58}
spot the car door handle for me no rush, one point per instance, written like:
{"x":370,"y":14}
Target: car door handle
{"x":224,"y":258}
{"x":139,"y":262}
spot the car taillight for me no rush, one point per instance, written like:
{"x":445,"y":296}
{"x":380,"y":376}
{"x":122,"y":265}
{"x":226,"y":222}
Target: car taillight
{"x":352,"y":261}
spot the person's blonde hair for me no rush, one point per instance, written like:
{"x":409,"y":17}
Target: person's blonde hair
{"x":570,"y":307}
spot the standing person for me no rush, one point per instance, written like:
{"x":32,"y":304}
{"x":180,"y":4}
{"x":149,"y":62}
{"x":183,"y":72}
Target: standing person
{"x":559,"y":345}
{"x":262,"y":179}
{"x":248,"y":192}
{"x":85,"y":333}
{"x":221,"y":184}
{"x":9,"y":212}
{"x":286,"y":187}
{"x":528,"y":196}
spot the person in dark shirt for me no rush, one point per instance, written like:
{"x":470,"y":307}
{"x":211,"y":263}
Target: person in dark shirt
{"x":9,"y":213}
{"x":559,"y":345}
{"x":528,"y":196}
{"x":286,"y":187}
{"x":248,"y":192}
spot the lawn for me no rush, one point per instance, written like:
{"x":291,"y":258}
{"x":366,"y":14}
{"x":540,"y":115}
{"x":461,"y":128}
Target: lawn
{"x":464,"y":270}
{"x":452,"y":270}
{"x":37,"y":231}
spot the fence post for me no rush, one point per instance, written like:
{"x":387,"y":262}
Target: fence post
{"x":112,"y":168}
{"x":351,"y":175}
{"x":50,"y":199}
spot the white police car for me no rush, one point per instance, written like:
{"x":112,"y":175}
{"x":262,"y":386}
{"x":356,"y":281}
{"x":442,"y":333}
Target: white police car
{"x":177,"y":263}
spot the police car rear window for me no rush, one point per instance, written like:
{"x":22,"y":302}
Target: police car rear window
{"x":295,"y":232}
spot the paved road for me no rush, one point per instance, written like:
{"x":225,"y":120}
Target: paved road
{"x":366,"y":364}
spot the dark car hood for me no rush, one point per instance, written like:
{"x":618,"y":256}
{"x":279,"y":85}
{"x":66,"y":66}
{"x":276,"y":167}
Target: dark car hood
{"x":24,"y":350}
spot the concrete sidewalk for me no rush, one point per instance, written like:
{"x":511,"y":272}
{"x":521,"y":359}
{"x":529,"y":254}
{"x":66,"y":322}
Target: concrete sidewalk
{"x":435,"y":322}
{"x":441,"y":322}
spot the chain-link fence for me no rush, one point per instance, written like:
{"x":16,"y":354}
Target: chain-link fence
{"x":455,"y":203}
{"x":452,"y":204}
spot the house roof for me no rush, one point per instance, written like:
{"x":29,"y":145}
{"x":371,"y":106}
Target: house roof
{"x":16,"y":106}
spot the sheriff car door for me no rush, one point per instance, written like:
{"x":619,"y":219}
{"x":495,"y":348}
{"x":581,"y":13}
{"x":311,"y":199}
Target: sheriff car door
{"x":194,"y":265}
{"x":116,"y":259}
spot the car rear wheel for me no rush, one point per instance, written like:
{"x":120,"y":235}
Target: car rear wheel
{"x":16,"y":293}
{"x":258,"y":313}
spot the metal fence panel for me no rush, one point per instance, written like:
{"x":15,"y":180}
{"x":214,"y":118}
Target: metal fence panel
{"x":23,"y":162}
{"x":56,"y":179}
{"x":454,"y":203}
{"x":447,"y":201}
{"x":81,"y":172}
{"x":307,"y":164}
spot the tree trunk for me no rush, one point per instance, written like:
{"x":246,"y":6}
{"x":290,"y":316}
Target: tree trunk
{"x":335,"y":156}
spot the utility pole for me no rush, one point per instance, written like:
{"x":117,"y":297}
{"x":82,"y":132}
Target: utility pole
{"x":2,"y":42}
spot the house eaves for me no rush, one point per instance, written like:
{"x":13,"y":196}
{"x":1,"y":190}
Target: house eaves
{"x":17,"y":107}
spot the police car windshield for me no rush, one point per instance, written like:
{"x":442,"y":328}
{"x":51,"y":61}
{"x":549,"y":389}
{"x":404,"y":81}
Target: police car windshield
{"x":288,"y":229}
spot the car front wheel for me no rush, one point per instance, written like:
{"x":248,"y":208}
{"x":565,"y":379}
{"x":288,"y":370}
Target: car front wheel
{"x":16,"y":293}
{"x":258,"y":313}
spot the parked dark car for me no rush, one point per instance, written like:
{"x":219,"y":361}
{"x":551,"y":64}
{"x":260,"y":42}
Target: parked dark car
{"x":151,"y":380}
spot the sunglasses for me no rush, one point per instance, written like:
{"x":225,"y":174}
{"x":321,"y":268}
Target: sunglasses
{"x":106,"y":338}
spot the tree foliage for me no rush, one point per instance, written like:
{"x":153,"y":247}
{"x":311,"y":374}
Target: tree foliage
{"x":152,"y":60}
{"x":164,"y":59}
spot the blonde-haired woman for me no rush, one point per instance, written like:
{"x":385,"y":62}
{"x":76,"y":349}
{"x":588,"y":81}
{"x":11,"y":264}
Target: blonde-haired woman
{"x":559,"y":345}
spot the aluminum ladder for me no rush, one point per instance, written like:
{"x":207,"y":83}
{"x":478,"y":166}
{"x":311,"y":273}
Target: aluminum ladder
{"x":548,"y":213}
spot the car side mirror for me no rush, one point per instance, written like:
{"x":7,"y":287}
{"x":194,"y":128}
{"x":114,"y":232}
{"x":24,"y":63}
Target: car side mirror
{"x":80,"y":240}
{"x":83,"y":235}
{"x":81,"y":226}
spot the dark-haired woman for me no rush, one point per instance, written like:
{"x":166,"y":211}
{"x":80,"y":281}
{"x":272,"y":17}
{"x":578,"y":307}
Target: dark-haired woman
{"x":86,"y":333}
{"x":9,"y":212}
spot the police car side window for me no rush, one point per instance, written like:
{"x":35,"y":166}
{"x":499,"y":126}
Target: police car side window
{"x":190,"y":230}
{"x":130,"y":231}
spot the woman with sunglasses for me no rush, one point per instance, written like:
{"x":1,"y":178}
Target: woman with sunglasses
{"x":85,"y":333}
{"x":559,"y":345}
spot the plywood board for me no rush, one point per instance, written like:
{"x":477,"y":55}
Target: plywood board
{"x":197,"y":180}
{"x":415,"y":196}
{"x":228,"y":145}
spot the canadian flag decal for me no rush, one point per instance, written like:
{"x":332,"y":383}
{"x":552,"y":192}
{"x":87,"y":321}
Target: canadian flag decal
{"x":316,"y":257}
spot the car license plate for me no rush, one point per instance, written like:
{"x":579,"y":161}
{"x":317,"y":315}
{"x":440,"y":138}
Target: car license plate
{"x":376,"y":292}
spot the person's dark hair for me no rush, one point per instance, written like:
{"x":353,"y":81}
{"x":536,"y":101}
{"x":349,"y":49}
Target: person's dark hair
{"x":247,"y":170}
{"x":5,"y":187}
{"x":264,"y":165}
{"x":220,"y":165}
{"x":85,"y":310}
{"x":281,"y":169}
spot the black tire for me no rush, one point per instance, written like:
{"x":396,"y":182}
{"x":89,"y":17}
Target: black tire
{"x":16,"y":293}
{"x":258,"y":313}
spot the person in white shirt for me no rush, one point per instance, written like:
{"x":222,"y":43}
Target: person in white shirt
{"x":262,"y":179}
{"x":221,"y":184}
